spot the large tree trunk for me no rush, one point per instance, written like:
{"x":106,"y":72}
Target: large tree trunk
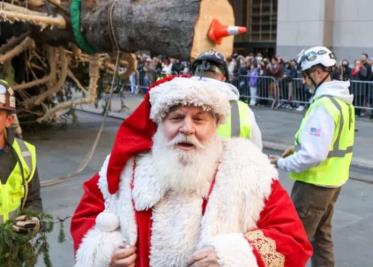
{"x":37,"y":71}
{"x":170,"y":27}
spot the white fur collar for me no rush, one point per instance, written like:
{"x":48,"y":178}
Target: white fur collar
{"x":243,"y":183}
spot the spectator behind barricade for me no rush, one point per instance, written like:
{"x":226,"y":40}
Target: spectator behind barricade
{"x":359,"y":73}
{"x":150,"y":73}
{"x":253,"y":83}
{"x":141,"y":71}
{"x":364,"y":61}
{"x":345,"y":70}
{"x":167,"y":67}
{"x":259,"y":58}
{"x":133,"y":82}
{"x":177,"y":67}
{"x":367,"y":88}
{"x":158,"y":66}
{"x":242,"y":73}
{"x":336,"y":71}
{"x":232,"y":68}
{"x":186,"y":67}
{"x":264,"y":70}
{"x":290,"y":73}
{"x":273,"y":89}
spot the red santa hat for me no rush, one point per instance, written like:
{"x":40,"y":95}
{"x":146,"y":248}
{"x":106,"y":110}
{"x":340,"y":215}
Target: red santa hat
{"x":136,"y":132}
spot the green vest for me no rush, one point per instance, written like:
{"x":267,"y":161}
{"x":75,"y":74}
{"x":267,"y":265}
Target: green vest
{"x":13,"y":191}
{"x":335,"y":169}
{"x":238,"y":123}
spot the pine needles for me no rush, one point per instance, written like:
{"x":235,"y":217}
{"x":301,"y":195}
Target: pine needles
{"x":23,"y":250}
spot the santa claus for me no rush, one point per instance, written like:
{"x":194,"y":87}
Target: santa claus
{"x":172,"y":193}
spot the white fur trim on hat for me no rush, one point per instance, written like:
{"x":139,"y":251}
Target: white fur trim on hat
{"x":186,"y":91}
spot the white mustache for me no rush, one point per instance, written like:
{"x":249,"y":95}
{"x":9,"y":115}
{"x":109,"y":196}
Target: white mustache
{"x":190,"y":139}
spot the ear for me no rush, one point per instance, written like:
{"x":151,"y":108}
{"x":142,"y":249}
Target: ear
{"x":9,"y":120}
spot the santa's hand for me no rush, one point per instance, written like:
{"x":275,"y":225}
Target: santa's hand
{"x":124,"y":256}
{"x":273,"y":159}
{"x":205,"y":257}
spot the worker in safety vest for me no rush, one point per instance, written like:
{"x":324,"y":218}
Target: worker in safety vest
{"x":19,"y":187}
{"x":320,"y":160}
{"x":241,"y":122}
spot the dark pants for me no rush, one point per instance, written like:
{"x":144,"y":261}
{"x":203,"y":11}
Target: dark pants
{"x":315,"y":207}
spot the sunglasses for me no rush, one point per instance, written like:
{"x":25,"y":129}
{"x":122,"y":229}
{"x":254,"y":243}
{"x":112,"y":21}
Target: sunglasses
{"x":312,"y":55}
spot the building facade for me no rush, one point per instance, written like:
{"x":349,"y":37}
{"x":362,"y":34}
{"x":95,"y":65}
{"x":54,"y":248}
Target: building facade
{"x":284,"y":27}
{"x":260,"y":17}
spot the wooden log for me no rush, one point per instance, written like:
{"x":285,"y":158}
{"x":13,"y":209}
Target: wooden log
{"x":170,"y":27}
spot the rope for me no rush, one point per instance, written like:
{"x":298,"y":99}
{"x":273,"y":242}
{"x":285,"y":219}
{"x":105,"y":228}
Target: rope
{"x":113,"y":39}
{"x":75,"y":24}
{"x":90,"y":153}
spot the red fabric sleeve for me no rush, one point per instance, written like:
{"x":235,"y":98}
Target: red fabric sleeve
{"x":279,"y":223}
{"x":90,"y":205}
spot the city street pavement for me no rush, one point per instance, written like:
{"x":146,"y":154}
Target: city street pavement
{"x":62,"y":149}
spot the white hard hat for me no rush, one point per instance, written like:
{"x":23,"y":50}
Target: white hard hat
{"x":7,"y":99}
{"x":316,"y":55}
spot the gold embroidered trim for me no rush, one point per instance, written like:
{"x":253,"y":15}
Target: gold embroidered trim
{"x":266,"y":248}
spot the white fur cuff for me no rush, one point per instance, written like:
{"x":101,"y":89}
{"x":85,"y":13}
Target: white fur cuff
{"x":97,"y":248}
{"x":233,"y":250}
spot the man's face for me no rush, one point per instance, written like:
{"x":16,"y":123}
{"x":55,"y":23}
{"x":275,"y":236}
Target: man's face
{"x":307,"y":80}
{"x":6,"y":121}
{"x":191,"y":122}
{"x":316,"y":74}
{"x":363,"y":58}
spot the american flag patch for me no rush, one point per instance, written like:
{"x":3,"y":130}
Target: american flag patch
{"x":314,"y":131}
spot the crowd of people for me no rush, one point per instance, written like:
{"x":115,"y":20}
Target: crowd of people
{"x":263,"y":80}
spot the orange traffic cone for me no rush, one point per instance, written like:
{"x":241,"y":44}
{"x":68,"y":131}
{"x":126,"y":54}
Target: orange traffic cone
{"x":218,"y":31}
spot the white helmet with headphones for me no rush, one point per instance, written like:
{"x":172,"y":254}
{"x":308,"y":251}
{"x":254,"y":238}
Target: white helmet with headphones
{"x":317,"y":55}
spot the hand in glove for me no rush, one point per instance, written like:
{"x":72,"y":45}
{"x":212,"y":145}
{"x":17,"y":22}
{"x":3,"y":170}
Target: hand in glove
{"x":25,"y":224}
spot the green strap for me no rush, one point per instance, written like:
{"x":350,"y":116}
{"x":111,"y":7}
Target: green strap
{"x":235,"y":119}
{"x":75,"y":24}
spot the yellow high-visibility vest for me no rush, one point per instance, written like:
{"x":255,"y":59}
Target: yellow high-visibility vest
{"x":335,"y":169}
{"x":13,"y":191}
{"x":238,"y":123}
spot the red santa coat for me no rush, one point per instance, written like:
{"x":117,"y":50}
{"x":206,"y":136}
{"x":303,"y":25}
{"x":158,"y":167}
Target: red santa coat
{"x":249,"y":218}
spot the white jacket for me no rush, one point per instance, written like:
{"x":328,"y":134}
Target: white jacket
{"x":314,"y":148}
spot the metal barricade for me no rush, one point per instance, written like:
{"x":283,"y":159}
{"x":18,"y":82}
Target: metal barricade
{"x":265,"y":88}
{"x":276,"y":93}
{"x":299,"y":94}
{"x":363,"y":95}
{"x":272,"y":92}
{"x":282,"y":92}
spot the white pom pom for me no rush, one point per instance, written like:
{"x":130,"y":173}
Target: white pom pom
{"x":107,"y":221}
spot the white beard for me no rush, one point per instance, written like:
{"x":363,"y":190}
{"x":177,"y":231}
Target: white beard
{"x":185,"y":171}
